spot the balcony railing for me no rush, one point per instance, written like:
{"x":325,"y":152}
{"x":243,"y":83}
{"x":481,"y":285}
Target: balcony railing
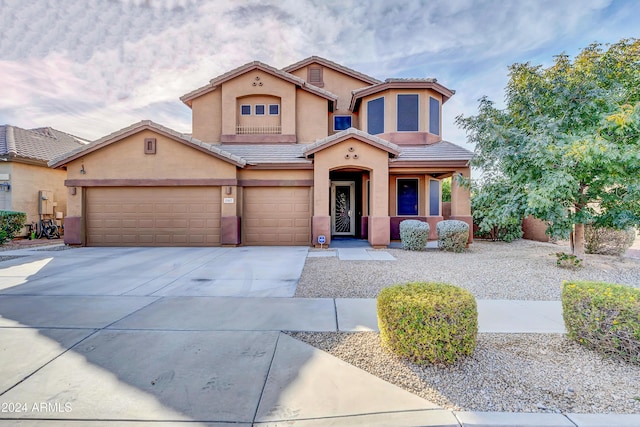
{"x":258,"y":130}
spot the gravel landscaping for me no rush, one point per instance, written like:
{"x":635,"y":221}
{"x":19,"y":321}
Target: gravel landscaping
{"x":521,"y":270}
{"x":507,"y":372}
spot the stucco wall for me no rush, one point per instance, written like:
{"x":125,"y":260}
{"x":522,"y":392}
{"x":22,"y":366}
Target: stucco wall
{"x":312,"y":118}
{"x":27,"y":180}
{"x":206,"y":113}
{"x":125,"y":159}
{"x":244,"y":86}
{"x":5,"y":196}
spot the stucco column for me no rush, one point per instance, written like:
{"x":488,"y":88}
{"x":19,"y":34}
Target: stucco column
{"x":321,"y":220}
{"x":230,"y":232}
{"x":74,"y":222}
{"x":461,"y":201}
{"x":379,"y":221}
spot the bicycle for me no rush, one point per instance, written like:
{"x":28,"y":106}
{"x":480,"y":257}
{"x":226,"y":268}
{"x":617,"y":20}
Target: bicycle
{"x":48,"y":229}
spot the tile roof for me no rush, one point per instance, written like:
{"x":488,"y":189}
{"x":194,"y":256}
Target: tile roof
{"x":40,"y":145}
{"x":256,"y":154}
{"x":443,"y":150}
{"x":400,"y":83}
{"x":351,"y":132}
{"x":216,"y":81}
{"x":333,"y":65}
{"x":137,"y":127}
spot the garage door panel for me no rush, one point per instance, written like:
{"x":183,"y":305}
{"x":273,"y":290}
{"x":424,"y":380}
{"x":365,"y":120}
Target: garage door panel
{"x":276,"y":216}
{"x":153,"y":216}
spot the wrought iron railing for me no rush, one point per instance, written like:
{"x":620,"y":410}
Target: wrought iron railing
{"x":258,"y":130}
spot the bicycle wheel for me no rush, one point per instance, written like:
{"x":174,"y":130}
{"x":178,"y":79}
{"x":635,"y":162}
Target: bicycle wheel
{"x":54,"y":232}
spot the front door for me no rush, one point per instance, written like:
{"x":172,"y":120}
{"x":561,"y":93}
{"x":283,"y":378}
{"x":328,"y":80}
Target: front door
{"x":343,"y":218}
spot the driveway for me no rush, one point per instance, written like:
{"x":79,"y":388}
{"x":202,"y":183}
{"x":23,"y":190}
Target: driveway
{"x":116,"y":335}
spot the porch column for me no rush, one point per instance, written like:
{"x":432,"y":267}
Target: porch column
{"x":321,"y":220}
{"x":461,"y":201}
{"x":379,"y":221}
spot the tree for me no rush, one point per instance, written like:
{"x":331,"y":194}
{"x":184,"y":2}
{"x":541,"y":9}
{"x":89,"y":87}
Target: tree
{"x":568,"y":139}
{"x":497,"y":209}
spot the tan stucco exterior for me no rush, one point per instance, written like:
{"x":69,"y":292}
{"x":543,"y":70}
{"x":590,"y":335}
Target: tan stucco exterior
{"x":26,"y":181}
{"x":276,"y":190}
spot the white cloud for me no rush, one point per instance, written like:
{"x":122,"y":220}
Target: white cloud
{"x":93,"y":67}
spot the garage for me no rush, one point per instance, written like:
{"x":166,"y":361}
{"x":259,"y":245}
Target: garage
{"x":277,"y":216}
{"x":153,"y":216}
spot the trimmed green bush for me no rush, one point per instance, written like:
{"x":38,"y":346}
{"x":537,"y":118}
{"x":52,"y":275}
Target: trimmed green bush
{"x":604,"y":317}
{"x":453,"y":235}
{"x":607,"y":241}
{"x":11,"y":223}
{"x":414,"y":234}
{"x":428,"y":322}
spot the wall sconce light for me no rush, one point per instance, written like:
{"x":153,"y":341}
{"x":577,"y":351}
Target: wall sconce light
{"x":5,"y":186}
{"x":227,"y":190}
{"x":82,"y":171}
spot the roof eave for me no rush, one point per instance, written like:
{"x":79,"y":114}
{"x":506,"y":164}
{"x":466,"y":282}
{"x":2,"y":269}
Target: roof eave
{"x":357,"y":95}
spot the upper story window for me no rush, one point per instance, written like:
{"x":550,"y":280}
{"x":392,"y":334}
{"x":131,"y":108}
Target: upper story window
{"x":245,"y":110}
{"x":314,"y":76}
{"x":274,"y":109}
{"x":434,"y":116}
{"x":407,"y":113}
{"x":341,"y":122}
{"x":259,"y":110}
{"x":375,"y":116}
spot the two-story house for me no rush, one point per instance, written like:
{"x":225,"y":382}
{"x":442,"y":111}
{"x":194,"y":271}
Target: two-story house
{"x":276,"y":157}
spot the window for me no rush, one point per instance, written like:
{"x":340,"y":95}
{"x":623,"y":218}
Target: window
{"x":407,"y":194}
{"x":274,"y":109}
{"x":315,"y":76}
{"x":434,"y":197}
{"x":260,"y":110}
{"x":434,"y":116}
{"x":375,"y":116}
{"x":341,"y":122}
{"x":245,"y":110}
{"x":408,"y":113}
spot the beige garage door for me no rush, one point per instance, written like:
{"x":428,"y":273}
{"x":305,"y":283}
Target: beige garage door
{"x":277,"y":216}
{"x":153,"y":216}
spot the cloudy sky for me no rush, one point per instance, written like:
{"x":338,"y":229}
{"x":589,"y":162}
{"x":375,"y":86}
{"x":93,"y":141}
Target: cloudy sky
{"x":91,"y":67}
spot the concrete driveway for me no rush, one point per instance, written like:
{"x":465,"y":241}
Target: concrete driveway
{"x":122,"y":335}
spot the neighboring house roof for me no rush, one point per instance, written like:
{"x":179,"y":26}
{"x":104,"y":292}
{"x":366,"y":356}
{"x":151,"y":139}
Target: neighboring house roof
{"x":323,"y":143}
{"x":333,"y":65}
{"x":397,"y":83}
{"x":440,"y":151}
{"x":257,"y":65}
{"x":260,"y":154}
{"x":35,"y":145}
{"x":144,"y":125}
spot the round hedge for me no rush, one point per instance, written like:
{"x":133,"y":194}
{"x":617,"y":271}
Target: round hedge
{"x":414,"y":234}
{"x":428,"y":322}
{"x":604,"y":317}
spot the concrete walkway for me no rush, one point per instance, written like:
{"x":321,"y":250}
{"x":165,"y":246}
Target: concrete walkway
{"x":192,"y":336}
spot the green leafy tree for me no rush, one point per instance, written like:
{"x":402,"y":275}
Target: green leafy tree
{"x":446,"y":190}
{"x":496,"y":206}
{"x":568,"y":139}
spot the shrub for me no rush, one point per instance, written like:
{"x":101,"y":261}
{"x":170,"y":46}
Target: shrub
{"x":428,"y":322}
{"x":11,"y":223}
{"x":452,"y":235}
{"x":607,"y":241}
{"x":604,"y":317}
{"x":414,"y":234}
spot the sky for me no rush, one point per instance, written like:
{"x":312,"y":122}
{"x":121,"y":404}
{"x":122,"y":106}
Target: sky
{"x":92,"y":67}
